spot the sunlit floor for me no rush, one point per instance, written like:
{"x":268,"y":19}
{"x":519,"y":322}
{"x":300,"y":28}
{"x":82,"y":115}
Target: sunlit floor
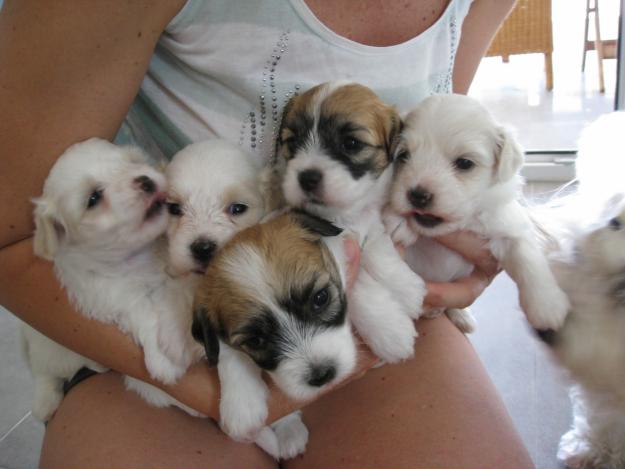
{"x":552,"y":120}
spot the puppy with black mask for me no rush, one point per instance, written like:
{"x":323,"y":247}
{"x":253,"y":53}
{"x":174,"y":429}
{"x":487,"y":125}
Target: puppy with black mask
{"x":334,"y":155}
{"x":273,"y":300}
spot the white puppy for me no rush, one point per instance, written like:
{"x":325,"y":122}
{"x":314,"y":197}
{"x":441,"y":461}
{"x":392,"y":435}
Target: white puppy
{"x":99,"y":220}
{"x":334,"y":160}
{"x":273,"y":299}
{"x":213,"y":193}
{"x":590,"y":267}
{"x":456,"y":169}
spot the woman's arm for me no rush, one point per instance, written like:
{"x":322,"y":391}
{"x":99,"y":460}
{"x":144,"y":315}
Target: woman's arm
{"x":69,"y":70}
{"x":478,"y":30}
{"x":33,"y":293}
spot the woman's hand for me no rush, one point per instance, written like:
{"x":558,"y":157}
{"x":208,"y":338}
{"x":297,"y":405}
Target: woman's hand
{"x":463,"y":292}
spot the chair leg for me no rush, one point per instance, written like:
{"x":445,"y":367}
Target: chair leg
{"x":599,"y":48}
{"x":588,"y":10}
{"x":549,"y":71}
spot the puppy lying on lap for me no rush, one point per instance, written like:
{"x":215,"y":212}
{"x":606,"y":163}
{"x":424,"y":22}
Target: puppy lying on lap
{"x":456,"y":169}
{"x":273,"y":299}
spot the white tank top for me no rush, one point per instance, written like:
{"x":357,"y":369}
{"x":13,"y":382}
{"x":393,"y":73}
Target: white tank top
{"x":226,"y":68}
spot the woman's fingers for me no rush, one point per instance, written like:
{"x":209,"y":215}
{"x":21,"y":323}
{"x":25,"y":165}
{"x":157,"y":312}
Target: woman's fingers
{"x":352,"y":254}
{"x":459,"y":294}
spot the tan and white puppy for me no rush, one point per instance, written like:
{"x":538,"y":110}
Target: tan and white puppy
{"x":213,"y":193}
{"x":334,"y":160}
{"x":590,"y":267}
{"x":99,"y":220}
{"x":457,"y":169}
{"x":273,"y":299}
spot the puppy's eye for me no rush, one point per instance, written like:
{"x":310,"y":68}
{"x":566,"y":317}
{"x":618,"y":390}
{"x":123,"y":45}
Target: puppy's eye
{"x":237,"y":209}
{"x":351,"y":145}
{"x":94,"y":198}
{"x":402,"y":156}
{"x":320,"y":299}
{"x":254,"y":343}
{"x":174,"y":209}
{"x":615,"y":224}
{"x":463,"y":164}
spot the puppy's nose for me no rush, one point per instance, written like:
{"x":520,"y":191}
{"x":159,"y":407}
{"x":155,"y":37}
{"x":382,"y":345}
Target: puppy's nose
{"x":321,"y":374}
{"x":309,"y":180}
{"x":419,"y":197}
{"x":146,"y":184}
{"x":202,"y":250}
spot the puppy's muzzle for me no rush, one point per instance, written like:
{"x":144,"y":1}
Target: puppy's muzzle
{"x":202,"y":250}
{"x":420,"y":197}
{"x":321,"y":374}
{"x":146,"y":184}
{"x":310,"y":180}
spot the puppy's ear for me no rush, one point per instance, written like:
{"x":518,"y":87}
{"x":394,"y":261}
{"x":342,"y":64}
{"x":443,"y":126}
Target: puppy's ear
{"x":508,"y":155}
{"x":396,"y":126}
{"x":314,"y":224}
{"x":270,"y":183}
{"x":279,"y":153}
{"x":204,"y":332}
{"x":49,"y":229}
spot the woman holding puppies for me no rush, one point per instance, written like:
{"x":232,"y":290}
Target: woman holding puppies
{"x":69,"y":71}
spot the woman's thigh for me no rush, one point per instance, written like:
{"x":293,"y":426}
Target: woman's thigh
{"x":102,"y":425}
{"x":438,"y":410}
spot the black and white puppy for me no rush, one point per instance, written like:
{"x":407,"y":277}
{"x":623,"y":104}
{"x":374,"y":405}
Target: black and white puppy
{"x":334,"y":156}
{"x":273,"y":299}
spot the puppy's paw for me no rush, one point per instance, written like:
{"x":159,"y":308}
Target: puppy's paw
{"x":243,"y":415}
{"x":462,"y":319}
{"x":176,"y":344}
{"x":574,"y":450}
{"x":547,"y":309}
{"x":394,"y":340}
{"x":292,"y":435}
{"x":161,"y":367}
{"x":267,"y":440}
{"x":412,"y":295}
{"x":397,"y":228}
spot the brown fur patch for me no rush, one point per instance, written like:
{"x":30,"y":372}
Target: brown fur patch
{"x":377,"y":124}
{"x":293,"y":256}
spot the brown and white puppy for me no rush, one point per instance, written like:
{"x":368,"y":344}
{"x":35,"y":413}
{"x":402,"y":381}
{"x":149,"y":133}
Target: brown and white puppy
{"x":273,"y":299}
{"x":333,"y":159}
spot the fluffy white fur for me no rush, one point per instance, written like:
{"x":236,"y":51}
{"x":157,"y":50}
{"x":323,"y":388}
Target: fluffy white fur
{"x":99,"y":220}
{"x":214,"y":188}
{"x":204,"y":180}
{"x":439,"y":137}
{"x":587,"y":252}
{"x":590,"y":267}
{"x":387,"y":295}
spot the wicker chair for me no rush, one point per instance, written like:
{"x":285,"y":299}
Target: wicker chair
{"x":527,"y":30}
